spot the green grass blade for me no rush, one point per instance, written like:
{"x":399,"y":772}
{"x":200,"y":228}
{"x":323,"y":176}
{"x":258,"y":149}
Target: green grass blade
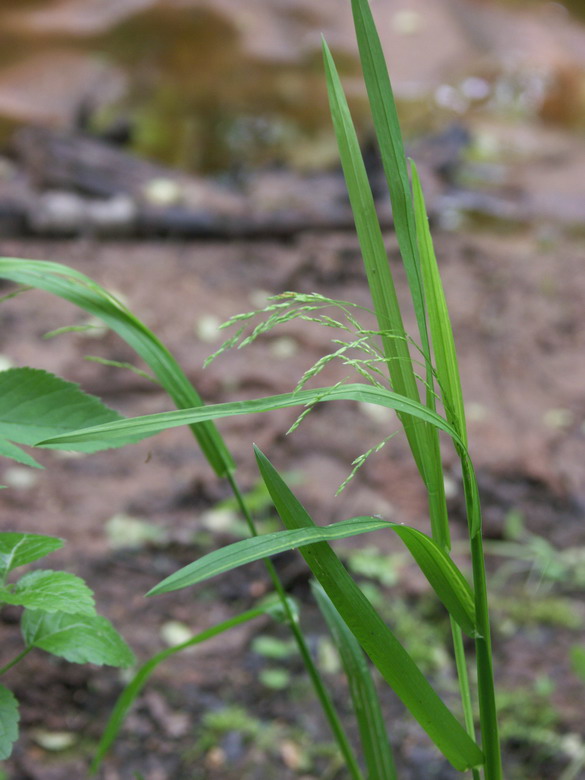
{"x":132,"y":690}
{"x":423,"y":442}
{"x":445,"y":578}
{"x":388,"y":655}
{"x":441,"y":330}
{"x":371,"y":241}
{"x":443,"y":575}
{"x":389,"y":137}
{"x":83,"y":292}
{"x":366,"y":704}
{"x":264,"y":546}
{"x":110,"y":434}
{"x":86,"y":294}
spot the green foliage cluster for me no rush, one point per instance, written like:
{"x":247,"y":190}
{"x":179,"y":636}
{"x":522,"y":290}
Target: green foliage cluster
{"x":390,"y":380}
{"x":58,"y":616}
{"x":417,"y":378}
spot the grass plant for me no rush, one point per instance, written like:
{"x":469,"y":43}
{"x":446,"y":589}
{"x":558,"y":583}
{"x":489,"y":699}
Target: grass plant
{"x":417,"y":377}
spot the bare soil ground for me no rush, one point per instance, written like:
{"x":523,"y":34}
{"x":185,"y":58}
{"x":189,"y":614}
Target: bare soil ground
{"x":517,"y":306}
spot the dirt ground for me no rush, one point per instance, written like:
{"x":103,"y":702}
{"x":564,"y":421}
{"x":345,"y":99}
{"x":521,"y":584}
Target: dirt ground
{"x":517,"y":307}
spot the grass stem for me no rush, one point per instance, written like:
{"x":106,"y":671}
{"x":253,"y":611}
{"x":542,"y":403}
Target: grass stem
{"x":292,"y":620}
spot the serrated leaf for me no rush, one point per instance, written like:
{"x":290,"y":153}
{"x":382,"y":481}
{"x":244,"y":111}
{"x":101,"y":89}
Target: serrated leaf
{"x":9,"y":717}
{"x":10,"y":450}
{"x":35,"y":404}
{"x":18,"y":549}
{"x":77,"y":638}
{"x":50,"y":591}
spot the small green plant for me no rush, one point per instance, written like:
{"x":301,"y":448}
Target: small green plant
{"x":418,"y":378}
{"x":58,"y":616}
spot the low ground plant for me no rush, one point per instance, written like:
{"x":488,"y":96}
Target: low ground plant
{"x":58,"y":613}
{"x":416,"y":376}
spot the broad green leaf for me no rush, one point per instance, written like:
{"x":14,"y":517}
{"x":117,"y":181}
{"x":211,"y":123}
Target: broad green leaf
{"x":441,"y":330}
{"x":132,"y":690}
{"x":78,"y":638}
{"x":366,"y":704}
{"x":18,"y":549}
{"x":9,"y":717}
{"x":35,"y":405}
{"x":50,"y":591}
{"x":449,"y":584}
{"x":73,"y":286}
{"x":387,"y":654}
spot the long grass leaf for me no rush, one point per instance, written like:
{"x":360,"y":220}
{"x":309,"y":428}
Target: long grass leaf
{"x":73,"y":286}
{"x":423,"y":442}
{"x":366,"y":704}
{"x":444,"y":577}
{"x":371,"y":241}
{"x":86,"y":294}
{"x":386,"y":652}
{"x":440,"y":323}
{"x":144,"y":426}
{"x":389,"y":137}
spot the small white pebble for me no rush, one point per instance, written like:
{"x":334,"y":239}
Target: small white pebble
{"x":259,"y":298}
{"x":162,"y":192}
{"x":447,"y":96}
{"x":174,"y":632}
{"x":284,"y":347}
{"x":379,"y":414}
{"x":558,"y":418}
{"x":475,"y":88}
{"x":476,"y":412}
{"x":407,"y":22}
{"x":207,"y":328}
{"x":5,"y":363}
{"x":20,"y":477}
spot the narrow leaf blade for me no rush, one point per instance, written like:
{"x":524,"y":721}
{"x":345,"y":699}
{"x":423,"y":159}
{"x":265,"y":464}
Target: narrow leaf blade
{"x":366,"y":704}
{"x":132,"y":690}
{"x":259,"y":547}
{"x":448,"y":582}
{"x":384,"y":649}
{"x":441,"y":330}
{"x":107,"y":435}
{"x":387,"y":128}
{"x":83,"y":292}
